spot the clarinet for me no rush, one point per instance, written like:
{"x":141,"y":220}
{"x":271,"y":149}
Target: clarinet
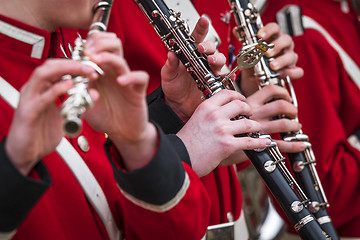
{"x":302,"y":163}
{"x":79,"y":99}
{"x":269,"y":162}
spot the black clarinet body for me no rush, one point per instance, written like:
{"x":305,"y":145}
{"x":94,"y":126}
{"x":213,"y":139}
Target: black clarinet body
{"x":302,"y":163}
{"x":174,"y":32}
{"x":305,"y":177}
{"x":300,"y":217}
{"x":269,"y":162}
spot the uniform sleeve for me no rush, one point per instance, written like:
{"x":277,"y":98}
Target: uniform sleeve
{"x":160,"y":197}
{"x":162,"y":115}
{"x":18,"y":192}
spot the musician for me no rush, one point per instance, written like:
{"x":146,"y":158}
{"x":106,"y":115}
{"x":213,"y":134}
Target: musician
{"x":328,"y":96}
{"x":222,"y":183}
{"x":46,"y":197}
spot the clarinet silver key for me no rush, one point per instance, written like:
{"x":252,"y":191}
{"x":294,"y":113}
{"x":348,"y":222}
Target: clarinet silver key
{"x":250,"y":55}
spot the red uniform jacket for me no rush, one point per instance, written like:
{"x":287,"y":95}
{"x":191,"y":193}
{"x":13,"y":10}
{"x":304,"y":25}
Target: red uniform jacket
{"x":144,"y":50}
{"x":61,"y":210}
{"x":329,"y":104}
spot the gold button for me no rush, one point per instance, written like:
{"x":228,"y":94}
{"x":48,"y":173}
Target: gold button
{"x":83,"y":144}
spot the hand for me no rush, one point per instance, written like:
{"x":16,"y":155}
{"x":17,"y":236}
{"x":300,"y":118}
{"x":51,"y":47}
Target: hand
{"x":209,"y":135}
{"x":37,"y":116}
{"x":120,"y":108}
{"x":284,"y":62}
{"x":265,"y":111}
{"x":181,"y":92}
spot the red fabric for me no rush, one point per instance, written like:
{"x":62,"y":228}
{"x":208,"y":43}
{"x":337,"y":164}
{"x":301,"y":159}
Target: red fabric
{"x":63,"y":212}
{"x":329,"y":104}
{"x":143,"y":46}
{"x":173,"y":224}
{"x":144,"y":50}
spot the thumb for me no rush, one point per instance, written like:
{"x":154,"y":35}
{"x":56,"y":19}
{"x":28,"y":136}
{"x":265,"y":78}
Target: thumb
{"x":201,"y":29}
{"x":171,"y":68}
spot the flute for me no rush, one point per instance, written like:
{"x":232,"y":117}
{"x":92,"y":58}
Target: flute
{"x":79,"y":99}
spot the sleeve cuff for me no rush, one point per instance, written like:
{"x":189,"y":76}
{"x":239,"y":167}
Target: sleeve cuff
{"x":179,"y":147}
{"x":160,"y":181}
{"x":162,"y":114}
{"x":18,"y":193}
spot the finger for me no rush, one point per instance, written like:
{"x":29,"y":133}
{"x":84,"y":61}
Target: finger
{"x":244,"y":126}
{"x":51,"y":94}
{"x":98,"y":36}
{"x":290,"y":147}
{"x":207,"y":47}
{"x":115,"y":62}
{"x":280,"y":126}
{"x":52,"y":71}
{"x":103,"y":41}
{"x":234,"y":109}
{"x":288,"y":59}
{"x":275,"y":108}
{"x":248,"y":143}
{"x":268,"y":93}
{"x":217,"y":61}
{"x":200,"y":30}
{"x":223,"y":97}
{"x":293,"y":73}
{"x":170,"y":70}
{"x":137,"y":80}
{"x":94,"y":94}
{"x":282,"y":43}
{"x":269,"y":32}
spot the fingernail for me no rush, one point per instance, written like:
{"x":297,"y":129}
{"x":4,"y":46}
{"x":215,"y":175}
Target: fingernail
{"x":267,"y":142}
{"x":67,"y":80}
{"x":262,"y":34}
{"x":122,"y":79}
{"x":211,"y":59}
{"x":270,"y":52}
{"x":306,"y":145}
{"x":274,"y":65}
{"x":202,"y":48}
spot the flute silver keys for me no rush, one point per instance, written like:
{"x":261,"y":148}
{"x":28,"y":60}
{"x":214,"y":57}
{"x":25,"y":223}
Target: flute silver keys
{"x":79,"y":99}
